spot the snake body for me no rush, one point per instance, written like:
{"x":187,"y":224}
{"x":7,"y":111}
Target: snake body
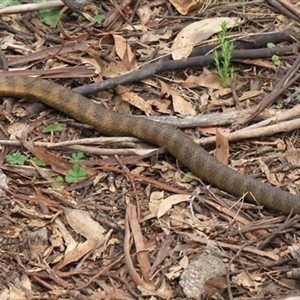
{"x":177,"y":143}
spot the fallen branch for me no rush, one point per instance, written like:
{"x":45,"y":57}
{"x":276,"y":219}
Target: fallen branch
{"x":175,"y":65}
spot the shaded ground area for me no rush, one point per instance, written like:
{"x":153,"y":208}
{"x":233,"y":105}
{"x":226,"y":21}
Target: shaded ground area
{"x":85,"y":216}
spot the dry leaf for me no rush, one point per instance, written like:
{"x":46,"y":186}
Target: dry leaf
{"x":121,"y":46}
{"x":150,"y":37}
{"x":135,"y":100}
{"x":250,"y":94}
{"x":162,"y":106}
{"x":271,"y":176}
{"x":128,"y":60}
{"x":187,"y":6}
{"x":248,"y":281}
{"x":210,"y":80}
{"x":197,"y":32}
{"x":83,"y":224}
{"x":16,"y":129}
{"x":260,"y":63}
{"x":145,"y":13}
{"x":216,"y":284}
{"x":175,"y":271}
{"x":167,"y":203}
{"x":114,"y":70}
{"x":181,"y":106}
{"x":222,"y":148}
{"x":165,"y":88}
{"x":75,"y":254}
{"x":154,"y":203}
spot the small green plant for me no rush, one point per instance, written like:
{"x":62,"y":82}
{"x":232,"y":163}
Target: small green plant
{"x":224,"y":67}
{"x":56,"y":127}
{"x":76,"y":174}
{"x":298,"y":97}
{"x":98,"y":19}
{"x":58,"y":181}
{"x":39,"y":162}
{"x":51,"y":16}
{"x":189,"y":177}
{"x":16,"y":158}
{"x":275,"y":60}
{"x":77,"y":157}
{"x":48,"y":16}
{"x":271,"y":45}
{"x":279,"y":105}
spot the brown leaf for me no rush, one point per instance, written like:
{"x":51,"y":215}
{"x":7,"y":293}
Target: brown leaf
{"x":196,"y":32}
{"x":215,"y":285}
{"x":187,"y":6}
{"x":135,"y":100}
{"x":222,"y":148}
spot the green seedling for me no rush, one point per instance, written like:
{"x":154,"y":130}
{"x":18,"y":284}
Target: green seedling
{"x":76,"y":174}
{"x":58,"y":181}
{"x":271,"y":45}
{"x":77,"y":157}
{"x":279,"y":105}
{"x":223,"y":61}
{"x":276,"y":60}
{"x":98,"y":19}
{"x":189,"y":177}
{"x":48,"y":16}
{"x":56,"y":127}
{"x":298,"y":97}
{"x":39,"y":162}
{"x":16,"y":158}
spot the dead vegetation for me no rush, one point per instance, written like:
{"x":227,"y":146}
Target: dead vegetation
{"x":138,"y":225}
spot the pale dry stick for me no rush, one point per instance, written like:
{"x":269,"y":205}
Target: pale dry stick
{"x":23,"y":8}
{"x":88,"y":141}
{"x":92,"y":141}
{"x":109,"y":152}
{"x":283,"y":116}
{"x":214,"y":119}
{"x":76,"y":145}
{"x":254,"y":133}
{"x":250,"y":249}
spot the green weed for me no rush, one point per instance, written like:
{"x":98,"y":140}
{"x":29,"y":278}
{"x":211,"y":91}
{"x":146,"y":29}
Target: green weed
{"x":76,"y":174}
{"x":16,"y":158}
{"x":224,"y":67}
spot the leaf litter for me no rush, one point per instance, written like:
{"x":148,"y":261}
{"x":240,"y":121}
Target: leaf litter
{"x":134,"y":228}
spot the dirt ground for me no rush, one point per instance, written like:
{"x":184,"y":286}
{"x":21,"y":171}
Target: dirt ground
{"x":86,"y":216}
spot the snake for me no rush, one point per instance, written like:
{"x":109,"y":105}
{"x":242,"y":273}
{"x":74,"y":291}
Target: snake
{"x":177,"y":143}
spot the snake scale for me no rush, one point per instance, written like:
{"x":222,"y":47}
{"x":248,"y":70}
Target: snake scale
{"x":177,"y":143}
